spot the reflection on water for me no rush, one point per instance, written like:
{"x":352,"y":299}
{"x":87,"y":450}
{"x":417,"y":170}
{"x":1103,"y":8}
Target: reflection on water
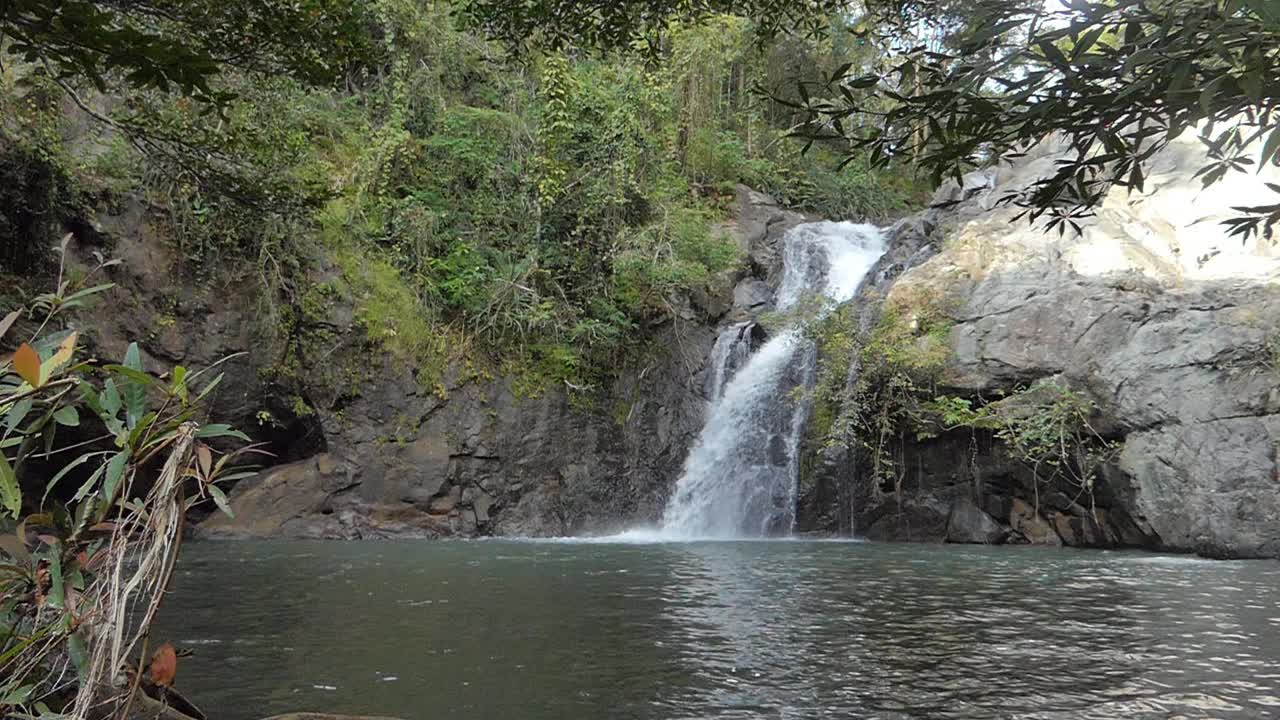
{"x":517,"y":630}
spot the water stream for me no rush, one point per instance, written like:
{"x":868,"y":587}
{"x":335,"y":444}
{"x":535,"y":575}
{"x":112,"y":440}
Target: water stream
{"x":740,"y":477}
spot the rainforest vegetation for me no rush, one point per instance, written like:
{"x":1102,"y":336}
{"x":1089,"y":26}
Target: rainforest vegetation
{"x":527,"y":187}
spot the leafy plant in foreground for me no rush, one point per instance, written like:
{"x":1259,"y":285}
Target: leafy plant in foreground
{"x":82,"y":573}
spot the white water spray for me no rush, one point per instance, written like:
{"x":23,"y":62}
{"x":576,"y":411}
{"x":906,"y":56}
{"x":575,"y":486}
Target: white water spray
{"x":740,"y":478}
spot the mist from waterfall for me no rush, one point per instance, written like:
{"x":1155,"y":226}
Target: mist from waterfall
{"x":741,"y":476}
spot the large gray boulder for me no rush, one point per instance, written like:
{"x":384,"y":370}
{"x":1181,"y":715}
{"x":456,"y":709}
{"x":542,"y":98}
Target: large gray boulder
{"x":1168,"y":324}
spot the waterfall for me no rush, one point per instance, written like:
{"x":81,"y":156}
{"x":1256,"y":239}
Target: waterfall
{"x":740,"y":477}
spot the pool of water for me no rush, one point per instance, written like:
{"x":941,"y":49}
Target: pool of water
{"x":543,"y":630}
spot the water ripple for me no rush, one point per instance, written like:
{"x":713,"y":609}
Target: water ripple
{"x":655,"y":631}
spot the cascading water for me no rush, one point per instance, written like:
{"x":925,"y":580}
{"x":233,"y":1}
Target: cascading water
{"x":740,"y":478}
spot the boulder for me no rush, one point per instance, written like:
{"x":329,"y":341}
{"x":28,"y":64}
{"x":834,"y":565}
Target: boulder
{"x":969,"y":524}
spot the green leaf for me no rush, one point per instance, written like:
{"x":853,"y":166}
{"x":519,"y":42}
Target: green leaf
{"x":115,"y":471}
{"x":18,"y":696}
{"x":63,"y":473}
{"x":220,"y":499}
{"x":111,"y":397}
{"x":1270,"y":149}
{"x":67,"y":415}
{"x":18,"y":413}
{"x":128,"y":373}
{"x":216,"y":430}
{"x":213,"y":385}
{"x":88,"y":485}
{"x":179,"y":385}
{"x":79,"y":651}
{"x":87,"y":292}
{"x":57,"y":595}
{"x":10,"y":492}
{"x":135,"y":388}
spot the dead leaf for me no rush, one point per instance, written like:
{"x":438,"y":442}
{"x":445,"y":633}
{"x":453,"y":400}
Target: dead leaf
{"x":43,"y":583}
{"x":26,"y":362}
{"x":206,"y":461}
{"x":164,"y":665}
{"x":63,"y":355}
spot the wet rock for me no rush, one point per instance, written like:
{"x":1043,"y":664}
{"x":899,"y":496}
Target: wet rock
{"x":1029,"y":526}
{"x":751,"y":297}
{"x":969,"y":524}
{"x":917,"y":518}
{"x":268,"y":504}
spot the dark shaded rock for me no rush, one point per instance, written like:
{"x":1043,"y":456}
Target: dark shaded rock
{"x":969,"y":524}
{"x":474,"y":456}
{"x":918,"y":518}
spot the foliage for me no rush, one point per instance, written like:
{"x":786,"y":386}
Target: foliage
{"x":37,"y":185}
{"x":1046,"y":426}
{"x":1117,"y":80}
{"x":183,"y":45}
{"x":893,"y":394}
{"x":734,"y":105}
{"x":619,"y":24}
{"x":543,"y":211}
{"x":901,"y":361}
{"x":104,"y":430}
{"x":877,"y":365}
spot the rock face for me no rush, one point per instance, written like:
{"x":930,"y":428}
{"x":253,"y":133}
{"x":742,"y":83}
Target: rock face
{"x":1163,"y":321}
{"x":1168,"y":326}
{"x":473,"y":455}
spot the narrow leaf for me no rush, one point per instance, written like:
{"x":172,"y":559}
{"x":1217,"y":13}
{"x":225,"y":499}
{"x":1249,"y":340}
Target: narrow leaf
{"x":57,"y":596}
{"x":217,"y":430}
{"x":18,"y":413}
{"x":10,"y":492}
{"x":205,"y":458}
{"x":115,"y":471}
{"x":63,"y":472}
{"x":1270,"y":149}
{"x":135,"y":390}
{"x":8,"y":321}
{"x":88,"y":485}
{"x":89,"y":291}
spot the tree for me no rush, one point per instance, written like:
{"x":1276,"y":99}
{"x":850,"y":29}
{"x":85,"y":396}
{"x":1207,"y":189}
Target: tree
{"x":616,"y":23}
{"x":182,"y":45}
{"x":975,"y":82}
{"x":1117,"y":80}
